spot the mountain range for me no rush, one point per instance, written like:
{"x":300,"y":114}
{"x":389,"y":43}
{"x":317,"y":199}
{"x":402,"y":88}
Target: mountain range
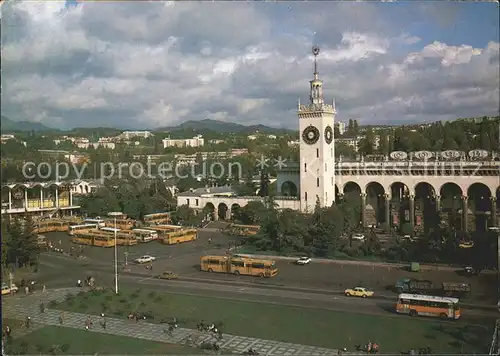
{"x":8,"y":125}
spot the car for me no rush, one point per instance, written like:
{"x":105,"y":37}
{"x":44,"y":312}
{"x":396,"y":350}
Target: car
{"x":303,"y":261}
{"x":145,"y":259}
{"x":8,"y":290}
{"x":358,"y":292}
{"x":359,"y":237}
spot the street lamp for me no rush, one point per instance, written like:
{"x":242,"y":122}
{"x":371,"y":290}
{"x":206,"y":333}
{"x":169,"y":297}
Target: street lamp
{"x":115,"y":214}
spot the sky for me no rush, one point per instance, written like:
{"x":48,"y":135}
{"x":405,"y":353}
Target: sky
{"x":145,"y":65}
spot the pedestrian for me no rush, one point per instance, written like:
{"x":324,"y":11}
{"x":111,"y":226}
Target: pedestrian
{"x":104,"y":323}
{"x":61,"y":319}
{"x":28,"y":322}
{"x":7,"y":331}
{"x":42,"y":308}
{"x":27,"y":290}
{"x":44,"y":288}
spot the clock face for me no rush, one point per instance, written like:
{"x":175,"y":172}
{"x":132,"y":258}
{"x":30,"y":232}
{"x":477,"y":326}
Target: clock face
{"x":328,"y":134}
{"x":310,"y":135}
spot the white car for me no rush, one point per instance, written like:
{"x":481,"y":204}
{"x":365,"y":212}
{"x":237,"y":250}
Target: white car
{"x":303,"y":261}
{"x":145,"y":259}
{"x":359,"y":237}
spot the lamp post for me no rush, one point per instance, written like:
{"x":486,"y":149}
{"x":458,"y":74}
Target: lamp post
{"x":115,"y":215}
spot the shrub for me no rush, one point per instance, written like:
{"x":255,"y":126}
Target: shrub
{"x":83,"y":306}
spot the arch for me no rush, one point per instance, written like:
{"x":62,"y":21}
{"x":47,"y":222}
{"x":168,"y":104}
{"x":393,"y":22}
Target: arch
{"x":235,"y":209}
{"x":451,"y":204}
{"x":426,"y":216}
{"x":375,"y":203}
{"x":400,"y":204}
{"x":209,"y":210}
{"x":351,"y":189}
{"x":289,"y":189}
{"x":479,"y":205}
{"x":337,"y":193}
{"x":222,"y":210}
{"x":450,"y":189}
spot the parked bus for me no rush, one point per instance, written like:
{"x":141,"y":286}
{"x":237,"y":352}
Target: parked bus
{"x":104,"y":241}
{"x":239,"y":266}
{"x":427,"y":305}
{"x":98,"y":222}
{"x":51,"y":226}
{"x":176,"y":237}
{"x":126,"y":238}
{"x":145,"y":235}
{"x":164,"y":228}
{"x":72,"y":230}
{"x":158,"y":218}
{"x":109,"y":229}
{"x":122,"y":224}
{"x":82,"y":240}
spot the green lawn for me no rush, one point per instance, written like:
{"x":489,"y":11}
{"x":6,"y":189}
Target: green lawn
{"x":290,"y":324}
{"x":61,"y":340}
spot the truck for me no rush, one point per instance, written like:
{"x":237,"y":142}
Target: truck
{"x":416,"y":286}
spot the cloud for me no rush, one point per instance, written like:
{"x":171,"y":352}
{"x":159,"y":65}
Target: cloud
{"x":151,"y":64}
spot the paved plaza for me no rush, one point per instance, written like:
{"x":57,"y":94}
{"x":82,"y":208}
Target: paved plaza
{"x":20,"y":306}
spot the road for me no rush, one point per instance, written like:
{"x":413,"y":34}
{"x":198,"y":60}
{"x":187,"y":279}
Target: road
{"x":63,"y":271}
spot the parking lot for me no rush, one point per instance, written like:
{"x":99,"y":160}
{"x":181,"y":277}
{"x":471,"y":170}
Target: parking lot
{"x":183,"y":259}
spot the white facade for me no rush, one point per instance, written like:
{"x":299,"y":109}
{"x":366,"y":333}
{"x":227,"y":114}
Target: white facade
{"x":197,"y":141}
{"x":127,"y":135}
{"x":317,"y":149}
{"x":341,"y":126}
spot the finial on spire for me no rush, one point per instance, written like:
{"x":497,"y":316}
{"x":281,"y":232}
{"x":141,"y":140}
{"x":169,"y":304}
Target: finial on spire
{"x":298,"y":103}
{"x":333,"y":104}
{"x":315,"y":52}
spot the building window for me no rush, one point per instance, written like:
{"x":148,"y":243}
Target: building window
{"x":317,"y":182}
{"x":305,"y":167}
{"x":305,"y":196}
{"x":317,"y":152}
{"x":187,"y":202}
{"x":196,"y":202}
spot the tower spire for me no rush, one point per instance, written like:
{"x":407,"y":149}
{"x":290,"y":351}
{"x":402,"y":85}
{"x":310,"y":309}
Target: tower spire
{"x":316,"y":91}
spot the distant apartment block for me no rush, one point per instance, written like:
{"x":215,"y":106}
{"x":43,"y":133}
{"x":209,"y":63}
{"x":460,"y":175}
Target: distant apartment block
{"x":197,"y":141}
{"x":355,"y":141}
{"x":6,"y":138}
{"x":127,"y":135}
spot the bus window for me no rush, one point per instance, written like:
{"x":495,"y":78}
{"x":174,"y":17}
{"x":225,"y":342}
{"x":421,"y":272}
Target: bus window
{"x":213,"y":262}
{"x":238,"y":264}
{"x":257,"y":265}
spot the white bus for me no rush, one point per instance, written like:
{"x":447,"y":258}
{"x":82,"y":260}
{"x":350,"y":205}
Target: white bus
{"x":98,"y":222}
{"x":427,"y":305}
{"x":109,"y":229}
{"x":81,"y":228}
{"x":145,"y":235}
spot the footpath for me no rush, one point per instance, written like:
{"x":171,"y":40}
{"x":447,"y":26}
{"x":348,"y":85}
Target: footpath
{"x":18,"y":307}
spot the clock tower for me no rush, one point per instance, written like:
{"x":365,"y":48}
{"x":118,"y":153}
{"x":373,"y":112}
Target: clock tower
{"x":317,"y":149}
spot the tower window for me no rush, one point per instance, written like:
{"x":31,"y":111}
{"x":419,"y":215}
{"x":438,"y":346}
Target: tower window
{"x":317,"y":152}
{"x":332,"y":182}
{"x":305,"y":167}
{"x":326,"y":167}
{"x":305,"y":196}
{"x":326,"y":197}
{"x":317,"y":182}
{"x":331,"y":152}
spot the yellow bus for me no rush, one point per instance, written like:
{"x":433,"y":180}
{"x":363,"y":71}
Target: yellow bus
{"x":98,"y":222}
{"x":176,"y":237}
{"x":104,"y":241}
{"x":145,"y":235}
{"x":51,"y":226}
{"x":76,"y":229}
{"x":82,"y":240}
{"x":427,"y":305}
{"x":122,"y":224}
{"x":239,"y":266}
{"x":126,"y":238}
{"x":158,"y":218}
